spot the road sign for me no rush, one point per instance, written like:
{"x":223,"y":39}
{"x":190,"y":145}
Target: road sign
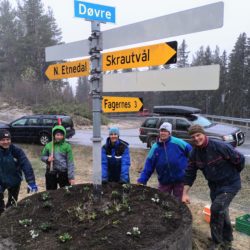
{"x":111,"y":104}
{"x":189,"y":21}
{"x":152,"y":55}
{"x":179,"y":79}
{"x":68,"y":70}
{"x":95,"y":12}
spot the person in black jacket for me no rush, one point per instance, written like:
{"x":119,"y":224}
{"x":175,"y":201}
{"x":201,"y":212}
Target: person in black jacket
{"x":115,"y":159}
{"x":220,"y":164}
{"x":13,"y":162}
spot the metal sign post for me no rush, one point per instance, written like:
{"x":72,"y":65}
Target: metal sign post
{"x":96,"y":87}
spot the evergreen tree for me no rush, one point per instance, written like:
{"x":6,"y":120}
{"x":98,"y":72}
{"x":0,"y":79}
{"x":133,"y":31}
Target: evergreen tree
{"x":68,"y":96}
{"x":8,"y":44}
{"x":182,"y":55}
{"x":82,"y":90}
{"x":39,"y":30}
{"x":236,"y":104}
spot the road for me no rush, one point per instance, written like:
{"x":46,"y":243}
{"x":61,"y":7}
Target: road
{"x":83,"y":137}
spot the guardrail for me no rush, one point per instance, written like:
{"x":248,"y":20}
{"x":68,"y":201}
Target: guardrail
{"x":243,"y":122}
{"x":232,"y":120}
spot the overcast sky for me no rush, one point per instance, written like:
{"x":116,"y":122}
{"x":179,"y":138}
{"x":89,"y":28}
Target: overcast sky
{"x":236,"y":19}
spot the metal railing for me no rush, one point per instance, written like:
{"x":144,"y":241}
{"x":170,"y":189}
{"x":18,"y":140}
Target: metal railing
{"x":232,"y":120}
{"x":243,"y":122}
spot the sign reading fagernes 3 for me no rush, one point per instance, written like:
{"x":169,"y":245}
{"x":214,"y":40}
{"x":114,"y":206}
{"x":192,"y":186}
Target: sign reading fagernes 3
{"x":95,"y":12}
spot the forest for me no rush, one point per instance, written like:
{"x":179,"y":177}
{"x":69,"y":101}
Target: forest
{"x":28,"y":28}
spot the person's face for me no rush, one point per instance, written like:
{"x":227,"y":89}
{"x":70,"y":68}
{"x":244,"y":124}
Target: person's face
{"x":164,"y":134}
{"x":5,"y":143}
{"x":113,"y":137}
{"x":198,"y":139}
{"x":59,"y":136}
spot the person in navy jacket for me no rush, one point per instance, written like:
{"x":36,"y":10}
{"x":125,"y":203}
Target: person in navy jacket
{"x":169,"y":157}
{"x":115,"y":158}
{"x":13,"y":162}
{"x":220,"y":164}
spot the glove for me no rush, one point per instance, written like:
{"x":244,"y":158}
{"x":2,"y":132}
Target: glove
{"x":72,"y":182}
{"x":140,"y":184}
{"x":32,"y":188}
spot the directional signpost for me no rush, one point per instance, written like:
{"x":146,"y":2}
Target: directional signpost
{"x":68,"y":70}
{"x":190,"y":21}
{"x":112,"y":104}
{"x":153,"y":55}
{"x":96,"y":13}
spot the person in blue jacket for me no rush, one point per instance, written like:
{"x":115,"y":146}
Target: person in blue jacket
{"x":13,"y":162}
{"x":220,"y":164}
{"x":169,"y":157}
{"x":115,"y":158}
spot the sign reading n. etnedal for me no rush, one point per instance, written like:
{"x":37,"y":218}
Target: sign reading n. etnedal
{"x":68,"y":70}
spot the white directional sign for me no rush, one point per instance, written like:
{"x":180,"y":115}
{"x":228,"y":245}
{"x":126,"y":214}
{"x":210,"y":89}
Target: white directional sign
{"x":179,"y":79}
{"x":189,"y":21}
{"x":92,"y":11}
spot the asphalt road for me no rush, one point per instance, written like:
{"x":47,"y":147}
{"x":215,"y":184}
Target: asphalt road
{"x":83,"y":137}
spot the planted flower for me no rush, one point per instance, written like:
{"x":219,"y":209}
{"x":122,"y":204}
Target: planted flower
{"x":65,"y":237}
{"x":25,"y":222}
{"x":135,"y":232}
{"x":34,"y":234}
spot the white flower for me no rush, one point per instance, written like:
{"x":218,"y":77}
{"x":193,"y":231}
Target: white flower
{"x":129,"y":233}
{"x":34,"y":234}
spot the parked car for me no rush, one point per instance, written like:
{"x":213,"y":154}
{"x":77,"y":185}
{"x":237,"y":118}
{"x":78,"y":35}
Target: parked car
{"x":181,"y":118}
{"x":37,"y":128}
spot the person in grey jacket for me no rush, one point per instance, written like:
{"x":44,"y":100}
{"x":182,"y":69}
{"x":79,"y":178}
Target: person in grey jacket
{"x":13,"y":162}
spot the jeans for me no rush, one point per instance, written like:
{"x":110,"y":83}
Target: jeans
{"x":175,"y":189}
{"x":13,"y":193}
{"x":220,"y":224}
{"x":54,"y":178}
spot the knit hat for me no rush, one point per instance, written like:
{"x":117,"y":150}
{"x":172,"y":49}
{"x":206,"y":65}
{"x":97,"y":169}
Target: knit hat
{"x":114,"y":130}
{"x":196,"y":129}
{"x":4,"y":133}
{"x":167,"y":126}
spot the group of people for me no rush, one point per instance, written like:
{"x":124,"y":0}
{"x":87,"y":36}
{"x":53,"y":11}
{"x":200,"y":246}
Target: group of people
{"x":176,"y":163}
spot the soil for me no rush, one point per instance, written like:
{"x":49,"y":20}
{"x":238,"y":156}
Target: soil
{"x":95,"y":224}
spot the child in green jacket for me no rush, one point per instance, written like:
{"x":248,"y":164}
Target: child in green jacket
{"x":58,"y":156}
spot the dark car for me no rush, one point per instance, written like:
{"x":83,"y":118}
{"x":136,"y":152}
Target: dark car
{"x":37,"y":128}
{"x":181,"y":118}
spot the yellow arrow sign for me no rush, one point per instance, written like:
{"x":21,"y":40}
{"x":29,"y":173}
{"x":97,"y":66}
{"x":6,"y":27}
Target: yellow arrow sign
{"x":111,"y":104}
{"x":68,"y":69}
{"x":153,"y":55}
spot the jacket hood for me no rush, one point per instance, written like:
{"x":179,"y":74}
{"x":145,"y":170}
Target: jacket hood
{"x":59,"y":127}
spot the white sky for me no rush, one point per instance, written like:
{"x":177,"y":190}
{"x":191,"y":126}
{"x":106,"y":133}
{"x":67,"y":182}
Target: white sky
{"x":236,"y":19}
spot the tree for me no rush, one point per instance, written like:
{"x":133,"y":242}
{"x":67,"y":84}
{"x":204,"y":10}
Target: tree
{"x":182,"y":55}
{"x":238,"y":83}
{"x":39,"y":30}
{"x":8,"y":44}
{"x":82,"y":90}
